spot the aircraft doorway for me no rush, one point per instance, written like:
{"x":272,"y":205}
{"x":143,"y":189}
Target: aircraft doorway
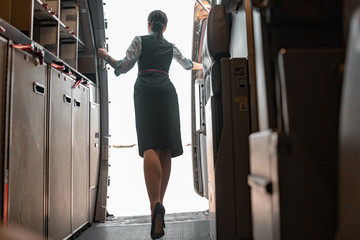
{"x":127,"y":192}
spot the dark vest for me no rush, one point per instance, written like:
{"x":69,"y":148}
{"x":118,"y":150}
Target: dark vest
{"x":155,"y":54}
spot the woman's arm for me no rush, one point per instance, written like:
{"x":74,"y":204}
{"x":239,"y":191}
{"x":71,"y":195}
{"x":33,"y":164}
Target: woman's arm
{"x":127,"y":63}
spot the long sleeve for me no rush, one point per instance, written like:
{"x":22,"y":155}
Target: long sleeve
{"x":132,"y":55}
{"x":184,"y":62}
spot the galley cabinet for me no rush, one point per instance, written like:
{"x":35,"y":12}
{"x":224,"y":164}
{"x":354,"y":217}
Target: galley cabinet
{"x":60,"y":142}
{"x":68,"y":156}
{"x":80,"y":152}
{"x":26,"y":142}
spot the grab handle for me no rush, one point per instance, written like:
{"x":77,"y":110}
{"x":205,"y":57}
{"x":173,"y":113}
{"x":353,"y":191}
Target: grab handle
{"x":77,"y":103}
{"x":67,"y":99}
{"x":39,"y":88}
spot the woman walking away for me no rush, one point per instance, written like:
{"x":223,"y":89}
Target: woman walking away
{"x":156,"y":109}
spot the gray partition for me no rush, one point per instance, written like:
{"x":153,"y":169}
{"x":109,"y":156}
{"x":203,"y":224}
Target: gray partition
{"x":80,"y":151}
{"x":27,"y":145}
{"x":60,"y":141}
{"x":3,"y":77}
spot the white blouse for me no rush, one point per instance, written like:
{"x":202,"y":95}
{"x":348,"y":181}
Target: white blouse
{"x":134,"y":51}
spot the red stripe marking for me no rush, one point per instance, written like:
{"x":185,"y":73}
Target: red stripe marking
{"x":23,"y":46}
{"x":58,"y":66}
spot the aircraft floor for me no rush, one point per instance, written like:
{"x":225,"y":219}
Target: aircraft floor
{"x":181,"y":226}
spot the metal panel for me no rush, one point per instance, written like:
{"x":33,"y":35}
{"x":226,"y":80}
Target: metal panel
{"x":264,"y":204}
{"x":210,"y":167}
{"x":238,"y":38}
{"x":94,"y":143}
{"x":94,"y":154}
{"x":60,"y":107}
{"x":199,"y":157}
{"x":27,"y":142}
{"x":81,"y":161}
{"x":99,"y":33}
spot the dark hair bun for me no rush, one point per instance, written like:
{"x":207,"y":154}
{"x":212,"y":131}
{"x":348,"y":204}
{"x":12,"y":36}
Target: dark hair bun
{"x":157,"y":26}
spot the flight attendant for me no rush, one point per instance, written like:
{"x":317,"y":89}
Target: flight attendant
{"x":156,"y":108}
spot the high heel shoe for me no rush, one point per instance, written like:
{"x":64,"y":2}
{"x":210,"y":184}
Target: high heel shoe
{"x":158,"y":210}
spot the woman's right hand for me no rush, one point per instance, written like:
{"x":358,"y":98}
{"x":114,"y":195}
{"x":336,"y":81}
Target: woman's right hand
{"x":102,"y":53}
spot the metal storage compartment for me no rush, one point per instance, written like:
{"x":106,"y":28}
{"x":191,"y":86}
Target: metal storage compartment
{"x":80,"y":152}
{"x":45,"y":172}
{"x":60,"y":141}
{"x":27,"y":142}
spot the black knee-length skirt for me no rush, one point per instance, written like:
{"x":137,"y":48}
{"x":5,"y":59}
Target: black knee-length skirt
{"x":157,"y":114}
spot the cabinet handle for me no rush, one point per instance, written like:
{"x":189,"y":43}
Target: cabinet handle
{"x":29,"y":46}
{"x":57,"y":66}
{"x":67,"y":99}
{"x":260,"y":183}
{"x":39,"y":88}
{"x":77,"y":103}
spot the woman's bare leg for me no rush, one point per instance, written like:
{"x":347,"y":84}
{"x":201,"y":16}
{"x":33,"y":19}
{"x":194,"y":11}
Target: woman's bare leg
{"x":165,"y":160}
{"x":153,"y":176}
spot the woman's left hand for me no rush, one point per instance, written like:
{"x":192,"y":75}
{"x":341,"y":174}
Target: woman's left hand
{"x":197,"y":66}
